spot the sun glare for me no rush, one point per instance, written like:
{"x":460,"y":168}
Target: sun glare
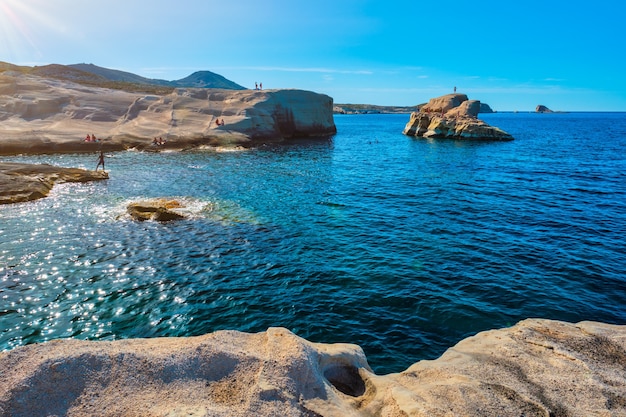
{"x":19,"y":24}
{"x":17,"y":39}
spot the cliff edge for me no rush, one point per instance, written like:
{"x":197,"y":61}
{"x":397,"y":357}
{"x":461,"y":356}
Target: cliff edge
{"x":44,"y":115}
{"x":535,"y":368}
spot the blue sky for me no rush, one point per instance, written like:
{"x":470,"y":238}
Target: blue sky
{"x":512,"y":55}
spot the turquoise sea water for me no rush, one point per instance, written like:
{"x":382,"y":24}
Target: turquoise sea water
{"x":401,"y":245}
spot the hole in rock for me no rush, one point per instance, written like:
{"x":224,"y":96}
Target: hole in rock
{"x":346,"y":379}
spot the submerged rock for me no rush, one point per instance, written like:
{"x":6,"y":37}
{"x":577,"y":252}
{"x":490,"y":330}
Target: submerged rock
{"x":452,"y":116}
{"x":535,"y":368}
{"x":26,"y":182}
{"x":160,"y":209}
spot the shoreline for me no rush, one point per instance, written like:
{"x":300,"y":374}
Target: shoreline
{"x":121,"y":145}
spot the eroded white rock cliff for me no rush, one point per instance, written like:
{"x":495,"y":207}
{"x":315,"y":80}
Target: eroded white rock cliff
{"x":46,"y":115}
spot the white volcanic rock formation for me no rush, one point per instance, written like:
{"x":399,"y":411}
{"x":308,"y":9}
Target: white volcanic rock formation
{"x":41,"y":115}
{"x":452,"y":116}
{"x":536,"y":368}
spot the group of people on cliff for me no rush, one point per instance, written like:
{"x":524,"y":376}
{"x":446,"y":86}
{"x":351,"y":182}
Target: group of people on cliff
{"x":159,"y":142}
{"x":91,"y":138}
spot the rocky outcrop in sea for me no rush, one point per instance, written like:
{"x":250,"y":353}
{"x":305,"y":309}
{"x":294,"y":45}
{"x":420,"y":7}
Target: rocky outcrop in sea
{"x":452,"y":116}
{"x":542,"y":109}
{"x":535,"y":368}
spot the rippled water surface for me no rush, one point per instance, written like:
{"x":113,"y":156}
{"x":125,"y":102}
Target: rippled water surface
{"x":401,"y":245}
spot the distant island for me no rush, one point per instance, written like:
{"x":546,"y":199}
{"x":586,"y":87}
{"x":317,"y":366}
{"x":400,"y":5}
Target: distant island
{"x":375,"y":109}
{"x":542,"y":109}
{"x":372,"y":109}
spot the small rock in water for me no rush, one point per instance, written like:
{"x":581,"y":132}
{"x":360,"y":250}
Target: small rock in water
{"x":159,"y":210}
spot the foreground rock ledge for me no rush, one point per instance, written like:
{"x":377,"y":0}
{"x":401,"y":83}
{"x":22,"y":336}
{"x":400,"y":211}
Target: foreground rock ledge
{"x":452,"y":116}
{"x":536,"y":368}
{"x":27,"y":182}
{"x":40,"y":115}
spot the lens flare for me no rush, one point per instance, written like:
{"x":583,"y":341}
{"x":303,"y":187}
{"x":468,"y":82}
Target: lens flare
{"x":21,"y":22}
{"x":16,"y":34}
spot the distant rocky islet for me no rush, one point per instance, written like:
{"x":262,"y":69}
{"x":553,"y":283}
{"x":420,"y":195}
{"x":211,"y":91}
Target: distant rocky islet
{"x":542,"y":109}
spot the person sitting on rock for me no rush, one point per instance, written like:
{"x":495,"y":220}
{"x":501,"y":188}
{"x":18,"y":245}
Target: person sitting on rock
{"x":88,"y":138}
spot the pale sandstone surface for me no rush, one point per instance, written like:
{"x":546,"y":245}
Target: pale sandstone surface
{"x":535,"y":368}
{"x":27,"y":182}
{"x":452,"y":116}
{"x":40,"y":115}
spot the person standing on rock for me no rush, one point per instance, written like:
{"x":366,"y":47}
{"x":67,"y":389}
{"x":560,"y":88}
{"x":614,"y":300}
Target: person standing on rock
{"x":100,"y":161}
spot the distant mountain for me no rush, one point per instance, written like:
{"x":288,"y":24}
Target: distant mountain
{"x":207,"y":79}
{"x":200,"y":79}
{"x":59,"y":72}
{"x":116,"y":75}
{"x":90,"y":74}
{"x":5,"y":66}
{"x":64,"y":72}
